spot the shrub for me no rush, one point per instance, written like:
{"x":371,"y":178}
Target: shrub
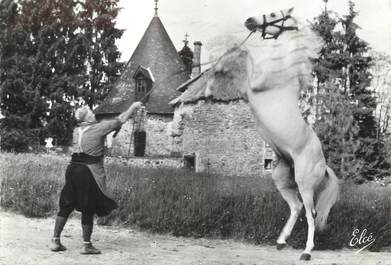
{"x":189,"y":204}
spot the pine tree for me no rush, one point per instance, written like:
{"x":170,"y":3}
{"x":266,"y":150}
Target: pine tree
{"x":67,"y":55}
{"x":51,"y":25}
{"x":343,"y":101}
{"x":334,"y":122}
{"x":20,"y":105}
{"x":357,"y":79}
{"x":99,"y":29}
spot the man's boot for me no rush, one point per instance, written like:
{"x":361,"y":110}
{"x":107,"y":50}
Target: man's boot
{"x":88,"y":248}
{"x":56,"y":245}
{"x":56,"y":242}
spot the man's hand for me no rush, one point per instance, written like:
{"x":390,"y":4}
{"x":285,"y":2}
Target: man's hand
{"x":137,"y":105}
{"x":131,"y":111}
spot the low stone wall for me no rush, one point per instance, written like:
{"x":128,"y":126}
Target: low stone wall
{"x":147,"y":162}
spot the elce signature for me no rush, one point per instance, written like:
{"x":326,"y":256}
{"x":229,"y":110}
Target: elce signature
{"x":359,"y":239}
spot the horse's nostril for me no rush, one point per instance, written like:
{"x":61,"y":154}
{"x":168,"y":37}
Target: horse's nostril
{"x":250,"y":24}
{"x":249,"y":21}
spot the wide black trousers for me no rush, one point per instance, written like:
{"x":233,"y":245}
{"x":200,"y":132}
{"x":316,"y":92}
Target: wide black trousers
{"x":81,"y":192}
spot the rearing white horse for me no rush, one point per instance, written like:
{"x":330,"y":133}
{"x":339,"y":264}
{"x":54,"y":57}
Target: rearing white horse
{"x":271,"y":81}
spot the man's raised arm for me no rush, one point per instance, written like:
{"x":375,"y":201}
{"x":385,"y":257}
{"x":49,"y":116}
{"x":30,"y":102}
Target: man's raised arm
{"x":123,"y":117}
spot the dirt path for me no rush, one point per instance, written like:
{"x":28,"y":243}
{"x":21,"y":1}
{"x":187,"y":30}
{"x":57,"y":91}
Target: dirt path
{"x":25,"y":241}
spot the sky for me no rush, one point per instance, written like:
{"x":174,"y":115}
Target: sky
{"x":211,"y":20}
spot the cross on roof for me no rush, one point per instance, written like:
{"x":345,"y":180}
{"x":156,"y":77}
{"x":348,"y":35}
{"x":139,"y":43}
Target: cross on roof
{"x":156,"y":8}
{"x":186,"y":41}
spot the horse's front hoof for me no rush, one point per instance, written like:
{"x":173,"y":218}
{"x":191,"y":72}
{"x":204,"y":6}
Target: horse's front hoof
{"x":281,"y":246}
{"x":305,"y":256}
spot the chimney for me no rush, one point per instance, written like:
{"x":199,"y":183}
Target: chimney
{"x":196,"y":59}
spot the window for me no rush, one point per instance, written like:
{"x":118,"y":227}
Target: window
{"x":141,"y":85}
{"x":189,"y":162}
{"x":268,"y":163}
{"x":143,"y":82}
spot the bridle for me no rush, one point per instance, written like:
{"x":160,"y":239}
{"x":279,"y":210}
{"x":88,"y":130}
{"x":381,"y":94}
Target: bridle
{"x":281,"y":27}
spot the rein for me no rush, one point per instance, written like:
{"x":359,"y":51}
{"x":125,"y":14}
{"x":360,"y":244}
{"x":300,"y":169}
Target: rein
{"x":281,"y":27}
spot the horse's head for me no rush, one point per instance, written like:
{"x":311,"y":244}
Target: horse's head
{"x":284,"y":62}
{"x":273,"y":24}
{"x":231,"y":72}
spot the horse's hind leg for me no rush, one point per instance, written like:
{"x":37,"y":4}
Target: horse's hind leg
{"x":286,"y":185}
{"x":308,"y":176}
{"x":310,"y":213}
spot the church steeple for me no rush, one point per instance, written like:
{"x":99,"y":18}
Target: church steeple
{"x":154,"y":66}
{"x":186,"y":41}
{"x":187,"y":55}
{"x":156,"y":8}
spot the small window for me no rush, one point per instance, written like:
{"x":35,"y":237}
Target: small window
{"x":189,"y":162}
{"x":268,"y":163}
{"x":141,"y":85}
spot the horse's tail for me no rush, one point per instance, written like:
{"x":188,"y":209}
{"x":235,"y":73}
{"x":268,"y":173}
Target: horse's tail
{"x":327,"y":197}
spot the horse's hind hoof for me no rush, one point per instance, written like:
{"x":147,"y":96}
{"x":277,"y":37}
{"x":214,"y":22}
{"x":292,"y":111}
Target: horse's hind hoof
{"x":305,"y":256}
{"x":280,"y":246}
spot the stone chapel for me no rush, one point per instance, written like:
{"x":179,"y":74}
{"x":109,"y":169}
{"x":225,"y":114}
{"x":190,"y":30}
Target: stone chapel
{"x":152,"y":74}
{"x":214,"y":134}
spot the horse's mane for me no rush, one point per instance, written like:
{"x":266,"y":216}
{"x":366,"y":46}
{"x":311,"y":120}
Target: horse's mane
{"x":287,"y":60}
{"x":231,"y":71}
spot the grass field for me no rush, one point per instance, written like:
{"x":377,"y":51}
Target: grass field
{"x":184,"y":203}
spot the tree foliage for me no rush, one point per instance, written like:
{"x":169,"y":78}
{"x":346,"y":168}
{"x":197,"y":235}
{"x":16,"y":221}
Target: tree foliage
{"x":57,"y":53}
{"x":102,"y":54}
{"x":21,"y":121}
{"x":343,"y":103}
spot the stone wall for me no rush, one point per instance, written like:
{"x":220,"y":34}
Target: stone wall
{"x":158,"y":140}
{"x":139,"y":162}
{"x":147,"y":162}
{"x":222,"y":136}
{"x":120,"y":145}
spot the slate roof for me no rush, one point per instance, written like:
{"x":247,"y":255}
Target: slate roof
{"x":157,"y":53}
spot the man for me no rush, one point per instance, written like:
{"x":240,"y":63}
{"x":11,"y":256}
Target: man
{"x":85,"y":180}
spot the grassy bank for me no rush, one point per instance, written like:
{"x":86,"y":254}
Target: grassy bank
{"x":190,"y":204}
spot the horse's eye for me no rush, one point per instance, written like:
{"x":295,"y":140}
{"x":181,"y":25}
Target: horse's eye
{"x":272,"y":14}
